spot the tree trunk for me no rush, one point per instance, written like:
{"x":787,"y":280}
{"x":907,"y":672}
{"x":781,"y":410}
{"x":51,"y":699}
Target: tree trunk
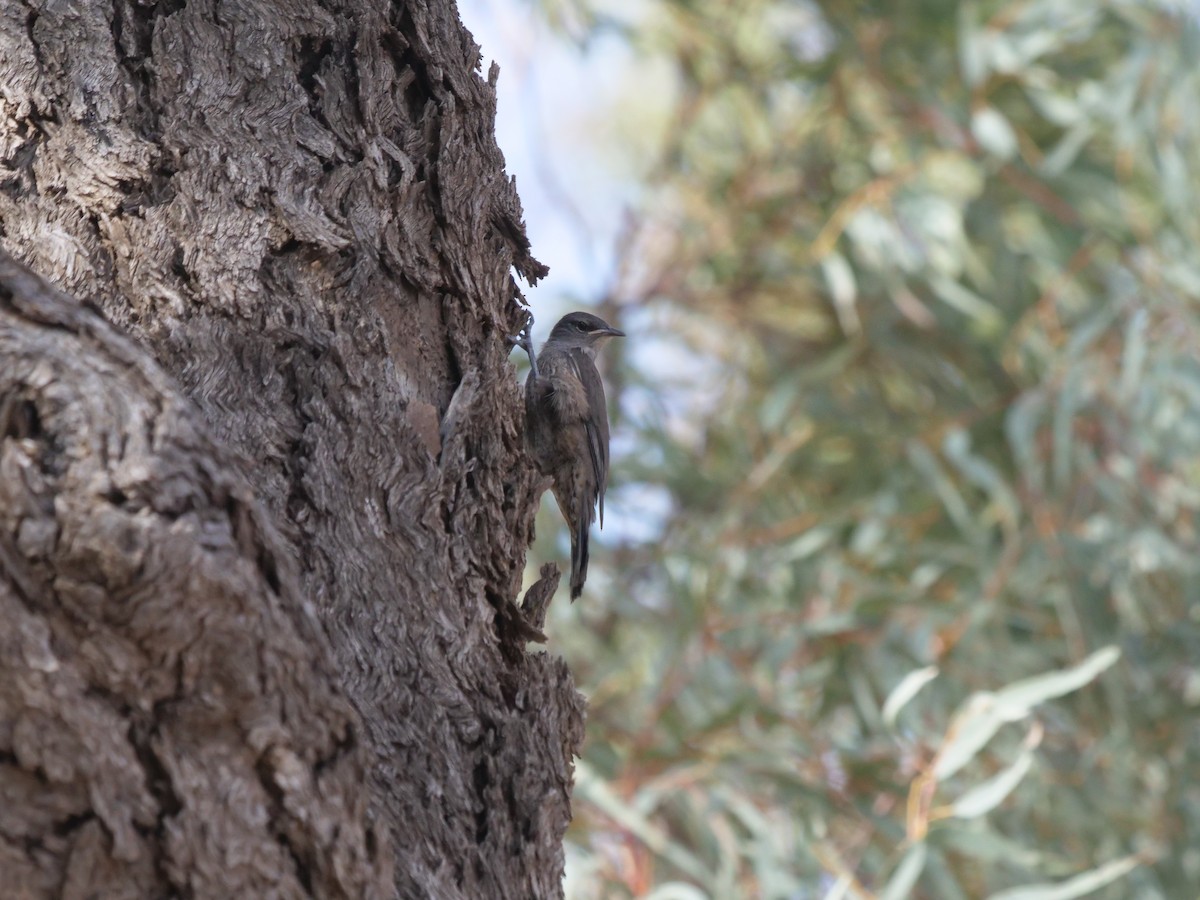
{"x":259,"y":563}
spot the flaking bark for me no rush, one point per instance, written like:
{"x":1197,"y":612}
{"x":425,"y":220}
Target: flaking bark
{"x":169,"y":716}
{"x":299,"y":213}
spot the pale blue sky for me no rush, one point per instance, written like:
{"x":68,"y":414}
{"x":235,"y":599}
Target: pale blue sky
{"x":563,"y":123}
{"x":551,"y":98}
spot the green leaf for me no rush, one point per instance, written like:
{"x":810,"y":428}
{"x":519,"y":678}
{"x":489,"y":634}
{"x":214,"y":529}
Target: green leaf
{"x":956,"y":506}
{"x":909,"y":686}
{"x":677,"y":890}
{"x":900,"y":885}
{"x":957,"y":448}
{"x":991,"y":793}
{"x":971,"y":56}
{"x":1015,"y":701}
{"x":968,"y":303}
{"x":994,"y":133}
{"x":1067,"y":150}
{"x":1057,"y":108}
{"x":840,"y":889}
{"x":1079,"y":886}
{"x":1133,"y":360}
{"x":970,"y":731}
{"x":590,"y":788}
{"x":843,"y":289}
{"x":1021,"y":428}
{"x":984,"y":845}
{"x":983,"y":714}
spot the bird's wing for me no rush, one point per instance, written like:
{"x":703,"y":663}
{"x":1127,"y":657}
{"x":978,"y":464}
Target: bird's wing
{"x":596,"y":423}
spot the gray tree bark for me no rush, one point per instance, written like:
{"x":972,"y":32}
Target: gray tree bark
{"x":261,"y":537}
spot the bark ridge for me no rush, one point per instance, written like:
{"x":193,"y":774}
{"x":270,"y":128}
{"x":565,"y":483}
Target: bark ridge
{"x":299,"y":211}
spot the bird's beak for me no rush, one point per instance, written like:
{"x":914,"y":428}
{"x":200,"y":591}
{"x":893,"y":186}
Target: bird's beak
{"x":609,"y":332}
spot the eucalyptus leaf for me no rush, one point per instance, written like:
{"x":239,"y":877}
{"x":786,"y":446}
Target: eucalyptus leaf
{"x":970,"y":731}
{"x":985,"y":797}
{"x":909,"y":686}
{"x":994,"y":132}
{"x":677,"y":890}
{"x":1079,"y":886}
{"x":1015,"y":701}
{"x":985,"y":713}
{"x":900,"y":885}
{"x":596,"y":792}
{"x":913,"y":300}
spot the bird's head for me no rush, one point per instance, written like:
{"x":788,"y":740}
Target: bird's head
{"x":584,"y":331}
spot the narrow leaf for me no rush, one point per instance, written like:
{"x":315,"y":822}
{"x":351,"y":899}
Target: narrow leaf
{"x":983,"y":713}
{"x":967,"y":302}
{"x":956,"y":507}
{"x":677,"y":890}
{"x":843,"y":288}
{"x":1133,"y":360}
{"x":909,"y":686}
{"x":1079,"y":886}
{"x":957,"y":448}
{"x":991,"y":793}
{"x":1015,"y":701}
{"x":969,"y":733}
{"x":590,"y":787}
{"x":971,"y":45}
{"x":840,"y":889}
{"x":900,"y":886}
{"x":994,"y":133}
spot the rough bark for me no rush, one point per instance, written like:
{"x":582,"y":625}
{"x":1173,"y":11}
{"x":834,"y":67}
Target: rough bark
{"x":168,"y":719}
{"x":297,"y":210}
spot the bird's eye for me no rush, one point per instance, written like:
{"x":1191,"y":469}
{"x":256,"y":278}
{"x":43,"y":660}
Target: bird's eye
{"x":581,"y":326}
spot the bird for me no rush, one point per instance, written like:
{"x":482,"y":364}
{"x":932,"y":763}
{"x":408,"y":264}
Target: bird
{"x":566,"y":424}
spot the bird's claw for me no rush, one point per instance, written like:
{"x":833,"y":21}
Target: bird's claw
{"x":522,"y":337}
{"x":524,"y":340}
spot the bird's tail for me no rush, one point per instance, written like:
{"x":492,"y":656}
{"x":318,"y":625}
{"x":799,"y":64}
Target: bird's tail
{"x":579,"y":557}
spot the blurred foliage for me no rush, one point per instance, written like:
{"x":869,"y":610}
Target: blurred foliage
{"x":916,"y":376}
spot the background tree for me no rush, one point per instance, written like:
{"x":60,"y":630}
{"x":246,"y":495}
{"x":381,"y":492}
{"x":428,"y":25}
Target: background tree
{"x":917,"y":290}
{"x":259,"y":566}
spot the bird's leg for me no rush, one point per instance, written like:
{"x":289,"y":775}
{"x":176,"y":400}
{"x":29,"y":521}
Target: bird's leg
{"x":525,"y":341}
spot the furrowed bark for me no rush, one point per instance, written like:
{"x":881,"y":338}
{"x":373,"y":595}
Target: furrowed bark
{"x":299,"y":212}
{"x":169,"y":716}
